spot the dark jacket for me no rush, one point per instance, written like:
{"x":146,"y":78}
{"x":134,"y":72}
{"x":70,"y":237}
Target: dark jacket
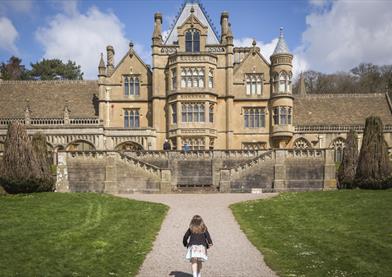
{"x":197,"y":239}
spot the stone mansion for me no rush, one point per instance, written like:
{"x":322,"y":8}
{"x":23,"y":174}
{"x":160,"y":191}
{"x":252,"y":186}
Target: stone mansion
{"x":200,"y":90}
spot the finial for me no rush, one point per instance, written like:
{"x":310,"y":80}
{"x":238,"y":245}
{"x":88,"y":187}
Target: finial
{"x":192,"y":10}
{"x":254,"y":43}
{"x":130,"y":44}
{"x":281,"y":32}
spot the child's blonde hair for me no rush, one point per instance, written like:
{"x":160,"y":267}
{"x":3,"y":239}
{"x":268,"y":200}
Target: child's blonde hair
{"x":197,"y":225}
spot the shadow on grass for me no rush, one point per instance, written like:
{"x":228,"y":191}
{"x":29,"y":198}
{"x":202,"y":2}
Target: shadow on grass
{"x":180,"y":274}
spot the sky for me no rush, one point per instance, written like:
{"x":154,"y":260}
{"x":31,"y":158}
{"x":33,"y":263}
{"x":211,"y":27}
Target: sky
{"x":323,"y":35}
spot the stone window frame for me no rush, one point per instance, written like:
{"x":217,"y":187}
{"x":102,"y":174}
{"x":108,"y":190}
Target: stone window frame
{"x":194,"y":143}
{"x":174,"y":78}
{"x":192,"y":40}
{"x":282,"y":82}
{"x":338,"y":145}
{"x":282,"y":115}
{"x":193,"y":112}
{"x":131,"y":114}
{"x":174,"y":113}
{"x":192,"y":77}
{"x":302,"y":143}
{"x":210,"y":78}
{"x":131,"y":85}
{"x":211,"y":113}
{"x":254,"y":84}
{"x":254,"y":117}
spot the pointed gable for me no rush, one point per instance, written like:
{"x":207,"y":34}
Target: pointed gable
{"x":200,"y":14}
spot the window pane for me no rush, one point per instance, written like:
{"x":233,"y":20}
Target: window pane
{"x":202,"y":113}
{"x":137,"y":87}
{"x":126,"y":86}
{"x":126,"y":119}
{"x":131,"y":86}
{"x":131,"y":120}
{"x":246,"y":118}
{"x":183,"y":110}
{"x":196,"y":42}
{"x":137,"y":118}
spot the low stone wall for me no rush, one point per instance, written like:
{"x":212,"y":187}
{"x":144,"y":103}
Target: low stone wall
{"x":224,"y":171}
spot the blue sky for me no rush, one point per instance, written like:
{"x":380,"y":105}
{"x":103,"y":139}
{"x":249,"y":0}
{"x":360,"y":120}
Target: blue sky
{"x":323,"y":35}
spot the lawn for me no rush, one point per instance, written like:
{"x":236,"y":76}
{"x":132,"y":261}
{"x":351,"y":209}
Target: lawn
{"x":334,"y":233}
{"x":75,"y":234}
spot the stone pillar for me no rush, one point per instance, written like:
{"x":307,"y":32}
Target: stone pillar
{"x":224,"y":182}
{"x":279,"y":170}
{"x":165,"y":185}
{"x":329,"y":170}
{"x":110,"y":174}
{"x":62,"y":184}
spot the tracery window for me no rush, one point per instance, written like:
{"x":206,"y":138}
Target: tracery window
{"x":254,"y":84}
{"x":282,"y":115}
{"x":301,"y":143}
{"x":193,"y":112}
{"x":192,"y":41}
{"x":254,"y":117}
{"x":197,"y":143}
{"x":174,"y":112}
{"x":131,"y":85}
{"x":282,"y":82}
{"x":131,"y":118}
{"x":211,"y":113}
{"x":338,"y":146}
{"x":174,"y":78}
{"x":210,"y":78}
{"x":192,"y":77}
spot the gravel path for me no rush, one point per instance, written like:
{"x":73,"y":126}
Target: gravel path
{"x":232,"y":254}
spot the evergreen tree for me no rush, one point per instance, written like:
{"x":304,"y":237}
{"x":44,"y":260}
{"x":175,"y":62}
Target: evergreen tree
{"x":347,"y":169}
{"x":55,"y":69}
{"x":373,"y":163}
{"x":20,"y":170}
{"x":13,"y":70}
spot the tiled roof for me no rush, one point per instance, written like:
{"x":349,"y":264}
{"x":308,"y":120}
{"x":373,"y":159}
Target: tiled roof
{"x":340,"y":109}
{"x":47,"y":99}
{"x":281,"y":46}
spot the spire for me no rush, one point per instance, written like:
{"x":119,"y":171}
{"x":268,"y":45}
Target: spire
{"x":101,"y":67}
{"x":301,"y":87}
{"x":281,"y":46}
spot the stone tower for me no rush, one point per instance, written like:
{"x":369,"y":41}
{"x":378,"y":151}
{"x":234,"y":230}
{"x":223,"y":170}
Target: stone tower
{"x":281,"y":94}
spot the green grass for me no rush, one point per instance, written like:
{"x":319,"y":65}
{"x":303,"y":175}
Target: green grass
{"x":75,"y":234}
{"x":335,"y":233}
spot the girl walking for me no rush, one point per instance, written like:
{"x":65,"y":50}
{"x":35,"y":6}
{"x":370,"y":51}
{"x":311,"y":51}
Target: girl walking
{"x":199,"y":241}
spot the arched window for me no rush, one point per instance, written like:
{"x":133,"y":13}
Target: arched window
{"x":282,"y":82}
{"x":192,"y":41}
{"x":211,"y":114}
{"x":248,"y":85}
{"x":338,"y":145}
{"x":301,"y":143}
{"x":283,"y":116}
{"x":258,"y":85}
{"x":210,"y":79}
{"x":126,"y":86}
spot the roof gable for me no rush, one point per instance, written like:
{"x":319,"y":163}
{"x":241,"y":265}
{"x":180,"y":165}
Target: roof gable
{"x":200,"y":14}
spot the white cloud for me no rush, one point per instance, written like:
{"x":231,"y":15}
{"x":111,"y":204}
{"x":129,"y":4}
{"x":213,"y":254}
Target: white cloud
{"x":82,"y":37}
{"x":347,"y":33}
{"x":266,"y":49}
{"x":8,"y":36}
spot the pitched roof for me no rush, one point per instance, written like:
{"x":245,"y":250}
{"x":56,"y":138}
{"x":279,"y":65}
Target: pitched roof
{"x":201,"y":14}
{"x":281,"y":46}
{"x":47,"y":99}
{"x":340,"y":109}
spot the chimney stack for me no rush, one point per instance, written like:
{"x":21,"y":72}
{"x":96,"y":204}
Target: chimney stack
{"x":224,"y":26}
{"x":110,"y":59}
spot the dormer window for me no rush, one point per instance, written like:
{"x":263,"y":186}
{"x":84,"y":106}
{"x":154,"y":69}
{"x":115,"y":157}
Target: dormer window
{"x":192,"y":41}
{"x":254,"y":84}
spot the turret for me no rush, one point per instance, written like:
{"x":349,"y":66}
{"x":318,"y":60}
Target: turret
{"x":110,"y":59}
{"x":224,"y":26}
{"x":101,"y":67}
{"x":281,"y":94}
{"x":157,"y":34}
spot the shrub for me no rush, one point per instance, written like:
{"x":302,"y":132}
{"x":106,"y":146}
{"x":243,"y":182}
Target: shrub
{"x":346,"y":171}
{"x":21,"y":172}
{"x":374,"y":168}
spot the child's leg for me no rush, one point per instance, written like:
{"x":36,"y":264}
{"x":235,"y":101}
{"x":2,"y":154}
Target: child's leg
{"x":194,"y":266}
{"x":199,"y":266}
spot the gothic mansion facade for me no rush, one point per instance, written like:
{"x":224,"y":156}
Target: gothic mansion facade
{"x":200,"y":90}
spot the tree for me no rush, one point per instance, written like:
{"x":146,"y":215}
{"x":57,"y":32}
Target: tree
{"x":41,"y":153}
{"x":373,"y":163}
{"x":53,"y":69}
{"x":20,"y":171}
{"x":347,"y":169}
{"x":13,"y":69}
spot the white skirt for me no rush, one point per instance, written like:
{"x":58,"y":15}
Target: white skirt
{"x":197,"y":251}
